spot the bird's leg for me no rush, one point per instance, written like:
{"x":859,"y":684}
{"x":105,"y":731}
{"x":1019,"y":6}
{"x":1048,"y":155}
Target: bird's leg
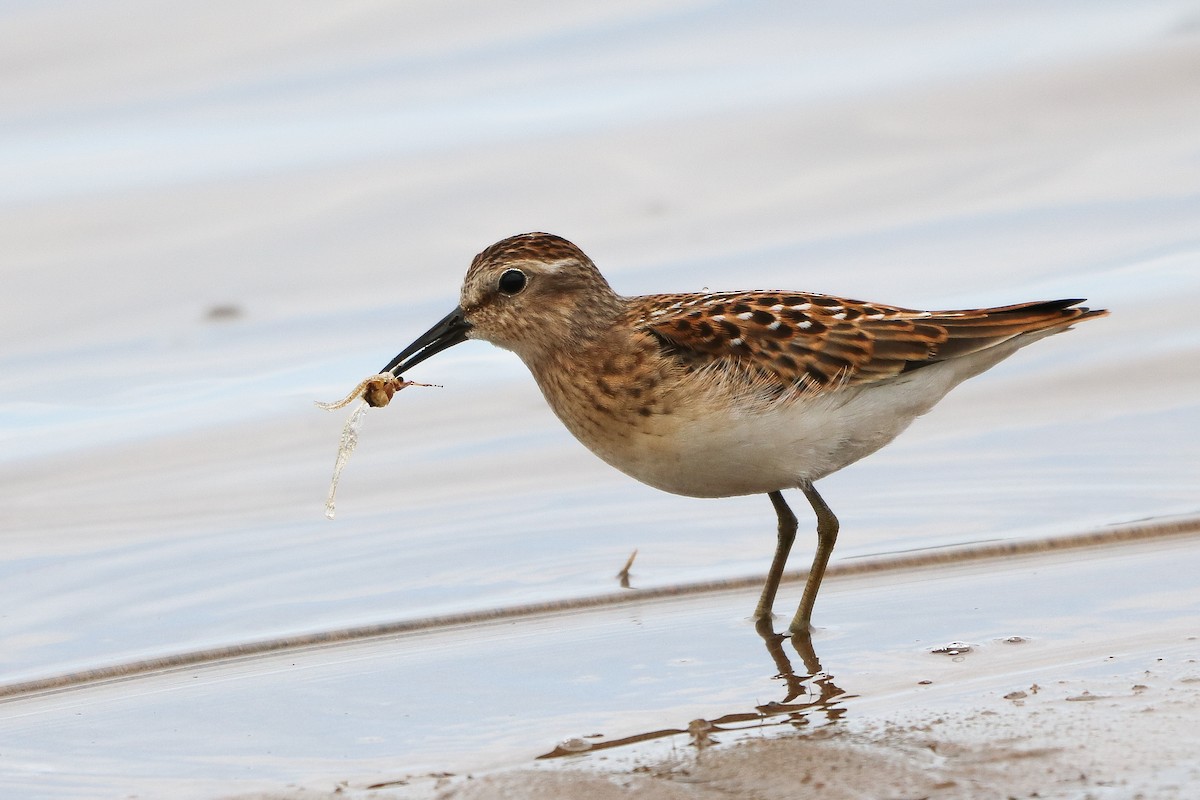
{"x":827,"y":531}
{"x":787,"y":535}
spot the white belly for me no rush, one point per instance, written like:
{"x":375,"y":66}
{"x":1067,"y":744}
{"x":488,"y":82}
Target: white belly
{"x":711,"y":448}
{"x":740,"y":453}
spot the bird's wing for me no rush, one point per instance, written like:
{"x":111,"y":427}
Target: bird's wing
{"x":814,"y":341}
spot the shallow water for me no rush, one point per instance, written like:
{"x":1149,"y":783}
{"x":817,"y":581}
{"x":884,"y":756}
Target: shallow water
{"x":625,"y":681}
{"x":328,"y":176}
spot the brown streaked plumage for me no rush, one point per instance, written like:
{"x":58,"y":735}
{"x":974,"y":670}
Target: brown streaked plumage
{"x":816,"y":341}
{"x":726,"y":393}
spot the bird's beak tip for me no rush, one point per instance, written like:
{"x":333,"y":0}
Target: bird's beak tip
{"x":449,"y":331}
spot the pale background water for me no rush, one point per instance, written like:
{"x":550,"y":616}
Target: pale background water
{"x":329,"y":170}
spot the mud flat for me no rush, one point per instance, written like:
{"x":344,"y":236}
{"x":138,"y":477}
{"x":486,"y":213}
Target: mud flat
{"x":1058,"y":670}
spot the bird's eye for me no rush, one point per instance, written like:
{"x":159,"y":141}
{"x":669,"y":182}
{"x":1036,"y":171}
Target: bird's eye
{"x":511,"y":282}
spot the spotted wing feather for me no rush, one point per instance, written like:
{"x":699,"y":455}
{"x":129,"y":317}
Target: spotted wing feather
{"x":812,"y":341}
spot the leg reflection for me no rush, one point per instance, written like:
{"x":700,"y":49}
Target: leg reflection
{"x":813,"y":690}
{"x":808,"y":695}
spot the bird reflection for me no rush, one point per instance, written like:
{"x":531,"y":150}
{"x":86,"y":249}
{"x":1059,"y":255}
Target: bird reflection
{"x":810,"y":695}
{"x":811,"y":691}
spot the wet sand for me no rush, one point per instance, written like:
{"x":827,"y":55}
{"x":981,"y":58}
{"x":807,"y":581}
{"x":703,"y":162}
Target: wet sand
{"x":1078,"y":665}
{"x":1088,"y":705}
{"x":1107,"y":715}
{"x":209,"y":225}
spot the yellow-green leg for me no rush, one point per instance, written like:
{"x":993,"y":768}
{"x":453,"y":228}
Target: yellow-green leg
{"x":827,"y":531}
{"x":787,"y":535}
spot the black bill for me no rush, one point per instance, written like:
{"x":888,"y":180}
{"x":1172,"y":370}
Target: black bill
{"x":451,"y":330}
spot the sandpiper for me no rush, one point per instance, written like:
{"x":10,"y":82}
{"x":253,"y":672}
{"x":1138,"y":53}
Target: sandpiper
{"x":716,"y":394}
